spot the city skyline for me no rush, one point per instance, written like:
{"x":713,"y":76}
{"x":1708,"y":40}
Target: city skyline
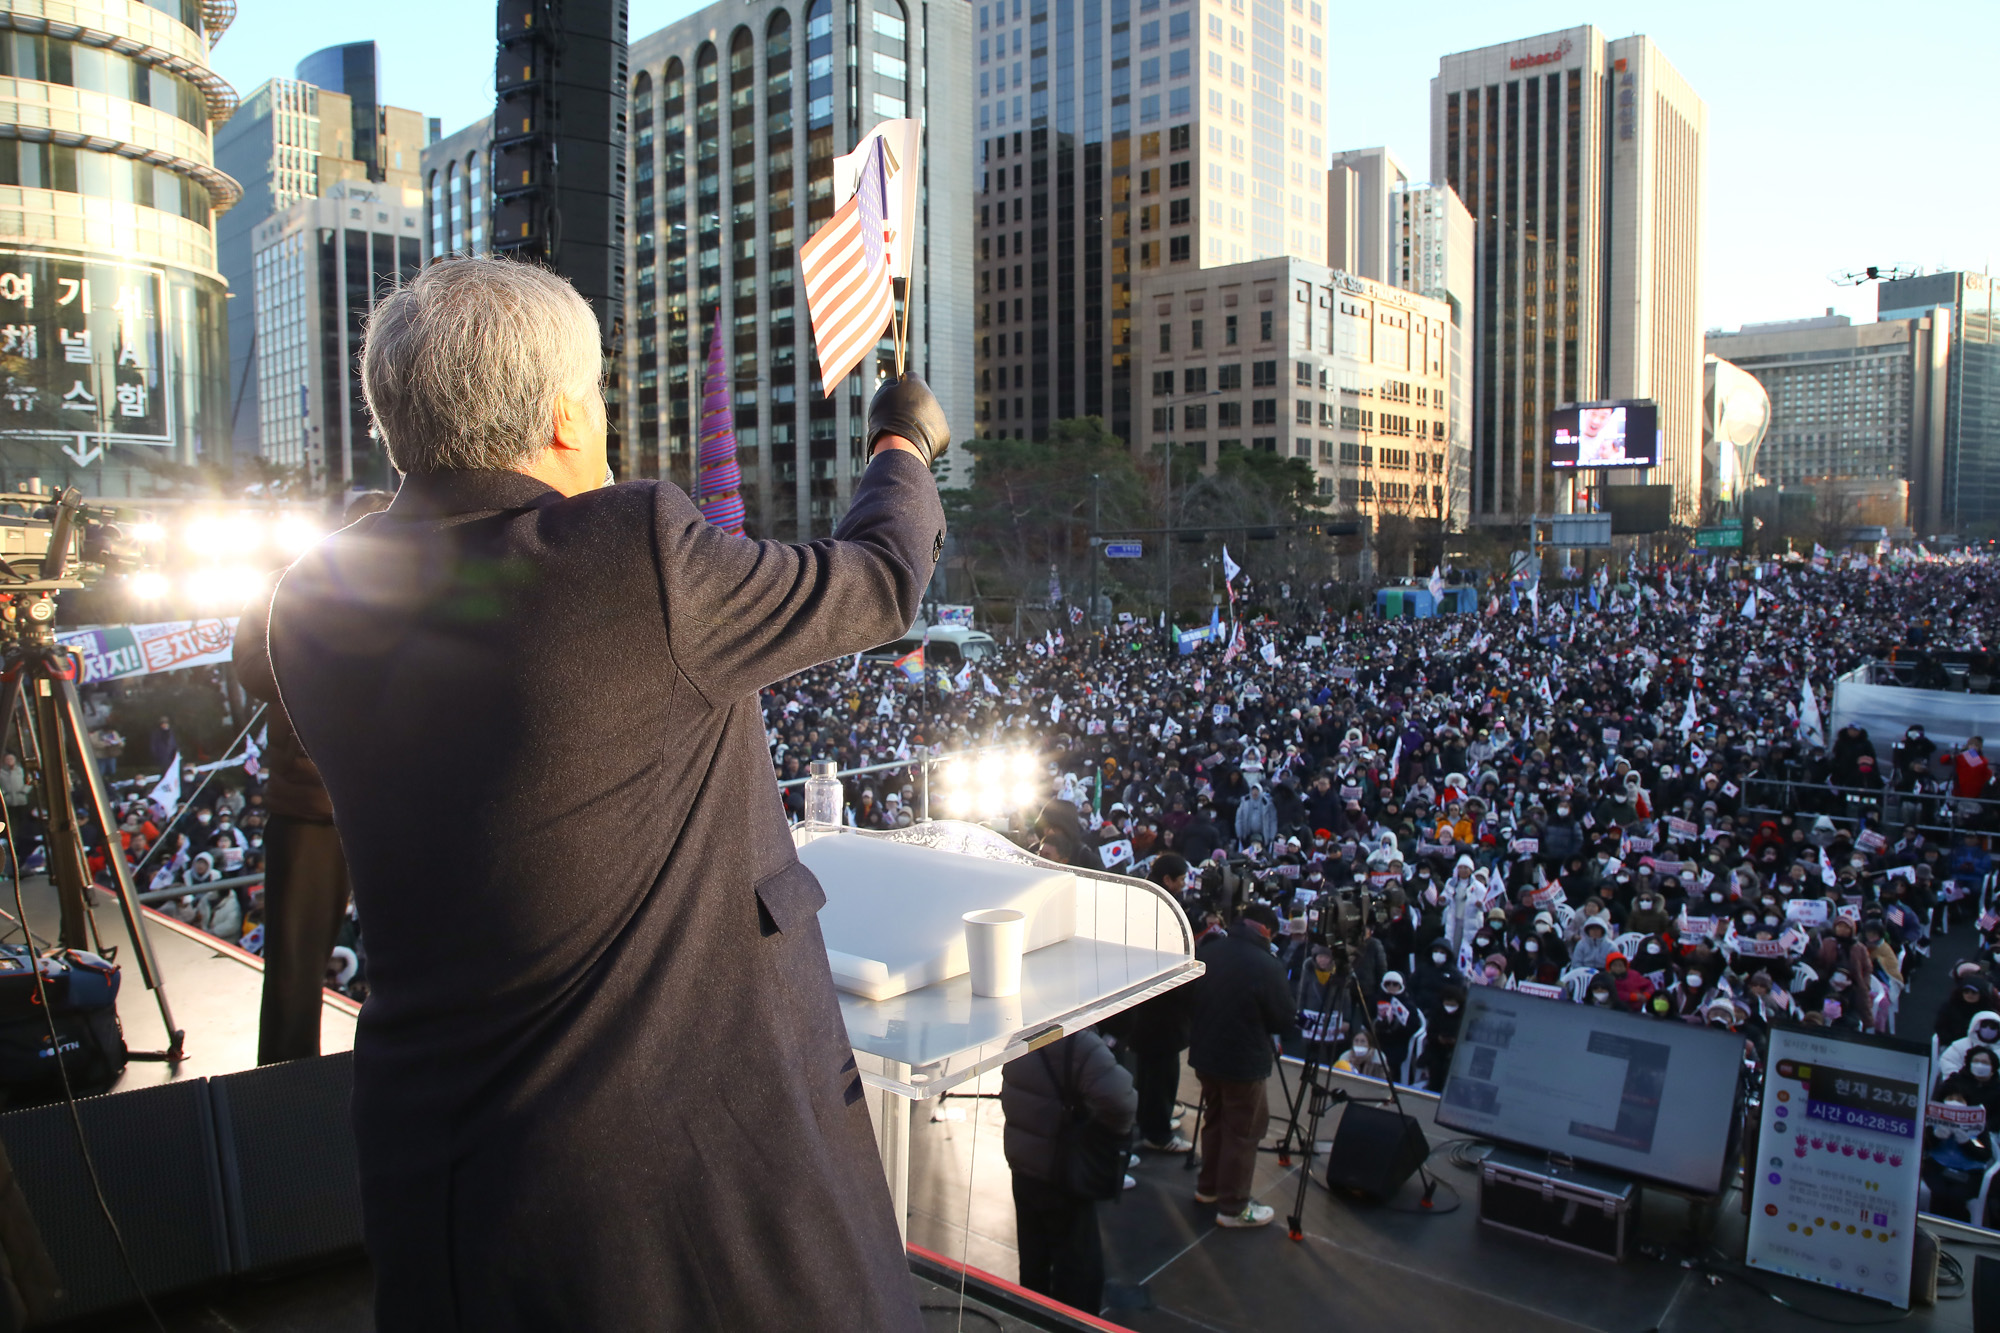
{"x":1856,"y":169}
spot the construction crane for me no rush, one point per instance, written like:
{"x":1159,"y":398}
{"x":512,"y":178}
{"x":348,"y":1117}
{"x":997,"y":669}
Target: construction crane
{"x":1874,"y":273}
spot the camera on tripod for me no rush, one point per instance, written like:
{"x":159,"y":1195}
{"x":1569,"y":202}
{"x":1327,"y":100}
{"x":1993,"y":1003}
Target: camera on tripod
{"x":51,"y":543}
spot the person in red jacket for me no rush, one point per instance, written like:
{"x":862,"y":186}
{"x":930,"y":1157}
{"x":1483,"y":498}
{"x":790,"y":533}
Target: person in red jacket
{"x":1631,"y":988}
{"x":1970,"y":771}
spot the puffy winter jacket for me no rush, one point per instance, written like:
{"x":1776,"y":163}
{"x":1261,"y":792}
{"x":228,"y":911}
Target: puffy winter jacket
{"x":1030,"y":1099}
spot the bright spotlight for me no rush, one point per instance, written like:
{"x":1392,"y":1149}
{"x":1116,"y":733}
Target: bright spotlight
{"x":293,"y":533}
{"x":226,"y":586}
{"x":1025,"y":766}
{"x":991,"y":799}
{"x":222,"y":534}
{"x":989,"y":769}
{"x":1024,"y":795}
{"x":148,"y":585}
{"x":954,"y":776}
{"x":146,"y":534}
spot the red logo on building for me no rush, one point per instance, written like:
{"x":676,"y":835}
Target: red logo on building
{"x":1560,"y":53}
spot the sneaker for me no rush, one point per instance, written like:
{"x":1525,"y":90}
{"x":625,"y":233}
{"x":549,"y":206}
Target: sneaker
{"x":1174,"y":1143}
{"x":1253,"y":1215}
{"x":1133,"y":1184}
{"x":1133,"y":1160}
{"x":1199,"y":1197}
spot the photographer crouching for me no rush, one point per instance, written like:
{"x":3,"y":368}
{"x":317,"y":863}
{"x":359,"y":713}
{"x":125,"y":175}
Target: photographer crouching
{"x":601,"y":1080}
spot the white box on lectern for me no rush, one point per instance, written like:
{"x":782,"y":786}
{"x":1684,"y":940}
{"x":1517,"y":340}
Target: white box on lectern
{"x":893,"y":919}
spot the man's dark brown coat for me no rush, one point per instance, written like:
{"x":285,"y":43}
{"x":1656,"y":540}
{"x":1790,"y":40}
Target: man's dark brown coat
{"x":601,"y":1080}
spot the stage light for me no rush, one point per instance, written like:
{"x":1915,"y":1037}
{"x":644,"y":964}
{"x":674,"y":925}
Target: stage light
{"x":1024,"y":795}
{"x":147,"y":534}
{"x":1025,"y":766}
{"x":293,"y":533}
{"x":989,"y":770}
{"x":222,"y":534}
{"x":224,"y":586}
{"x":954,"y":776}
{"x":991,"y":799}
{"x":148,"y":585}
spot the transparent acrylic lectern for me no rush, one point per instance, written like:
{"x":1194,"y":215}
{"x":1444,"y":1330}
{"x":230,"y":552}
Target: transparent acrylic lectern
{"x":1098,"y":943}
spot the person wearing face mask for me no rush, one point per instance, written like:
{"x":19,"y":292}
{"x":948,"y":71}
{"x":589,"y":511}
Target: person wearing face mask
{"x":1631,"y":986}
{"x":1362,"y":1058}
{"x":1437,"y":971}
{"x":1956,"y":1156}
{"x":1602,"y":993}
{"x":1648,"y":914}
{"x":1441,"y":1037}
{"x":1984,"y":1034}
{"x":1978,"y":1082}
{"x":1594,"y":948}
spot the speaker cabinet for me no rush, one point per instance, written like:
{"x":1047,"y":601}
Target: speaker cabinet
{"x":1374,"y":1151}
{"x":291,"y":1186}
{"x":155,"y":1154}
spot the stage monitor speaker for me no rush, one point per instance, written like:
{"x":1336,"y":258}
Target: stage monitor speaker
{"x":155,"y":1155}
{"x":1374,"y":1151}
{"x":291,"y":1184}
{"x":1985,"y":1294}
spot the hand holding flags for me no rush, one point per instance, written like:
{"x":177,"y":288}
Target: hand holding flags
{"x":847,"y":269}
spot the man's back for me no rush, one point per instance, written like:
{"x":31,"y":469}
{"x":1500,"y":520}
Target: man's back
{"x":601,"y":1031}
{"x":1239,"y":1004}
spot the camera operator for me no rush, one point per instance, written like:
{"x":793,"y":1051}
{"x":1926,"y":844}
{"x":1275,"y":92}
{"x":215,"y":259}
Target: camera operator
{"x":1240,"y":1004}
{"x":601,"y":1079}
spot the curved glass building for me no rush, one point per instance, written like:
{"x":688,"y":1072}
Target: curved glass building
{"x":113,"y":318}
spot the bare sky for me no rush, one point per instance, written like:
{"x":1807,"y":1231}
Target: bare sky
{"x":1841,"y":134}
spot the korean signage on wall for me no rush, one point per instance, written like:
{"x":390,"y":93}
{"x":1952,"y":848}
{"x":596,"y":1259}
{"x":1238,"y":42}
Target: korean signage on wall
{"x":83,"y":352}
{"x":1834,"y":1198}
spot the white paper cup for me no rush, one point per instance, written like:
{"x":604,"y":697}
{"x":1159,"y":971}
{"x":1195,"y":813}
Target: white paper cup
{"x":994,"y":939}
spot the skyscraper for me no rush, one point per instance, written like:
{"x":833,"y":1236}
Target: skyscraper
{"x":113,"y":326}
{"x":353,"y":69}
{"x":1358,"y":185}
{"x":288,"y":141}
{"x":1582,"y":163}
{"x":1966,"y":339}
{"x":1115,"y":146}
{"x":457,"y":173}
{"x":786,"y":87}
{"x":1430,"y":253}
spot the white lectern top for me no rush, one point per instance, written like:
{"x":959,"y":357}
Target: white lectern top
{"x":1098,"y":943}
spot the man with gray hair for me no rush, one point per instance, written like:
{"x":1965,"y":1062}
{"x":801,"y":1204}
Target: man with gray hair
{"x":601,"y":1080}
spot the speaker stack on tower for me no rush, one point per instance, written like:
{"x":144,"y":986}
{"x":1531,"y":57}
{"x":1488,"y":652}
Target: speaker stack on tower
{"x":559,"y":146}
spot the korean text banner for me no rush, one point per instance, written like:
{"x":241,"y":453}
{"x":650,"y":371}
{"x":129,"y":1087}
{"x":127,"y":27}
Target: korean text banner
{"x":1834,"y":1193}
{"x":117,"y":652}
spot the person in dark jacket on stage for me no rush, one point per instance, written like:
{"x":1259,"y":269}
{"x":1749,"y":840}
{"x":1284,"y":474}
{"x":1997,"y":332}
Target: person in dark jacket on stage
{"x":1062,"y":1254}
{"x":1240,"y":1004}
{"x":601,"y":1079}
{"x":305,"y":874}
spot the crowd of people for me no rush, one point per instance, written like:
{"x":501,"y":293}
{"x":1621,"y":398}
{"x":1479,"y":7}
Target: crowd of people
{"x":1624,"y":794}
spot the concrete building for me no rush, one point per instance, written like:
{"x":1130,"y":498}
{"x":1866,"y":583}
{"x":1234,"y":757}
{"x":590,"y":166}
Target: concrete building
{"x":1115,"y":145}
{"x":1961,"y":490}
{"x":288,"y":141}
{"x":386,"y":139}
{"x":1430,"y":253}
{"x":1582,"y":163}
{"x":113,"y":316}
{"x":320,"y":266}
{"x":1359,"y":182}
{"x":1294,"y":358}
{"x":458,"y":197}
{"x":717,"y":233}
{"x":1848,"y":402}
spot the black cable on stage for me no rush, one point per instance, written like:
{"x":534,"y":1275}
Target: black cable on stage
{"x":1732,"y":1270}
{"x":69,"y":1094}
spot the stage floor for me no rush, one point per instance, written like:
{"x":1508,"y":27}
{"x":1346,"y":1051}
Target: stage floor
{"x":214,"y":989}
{"x":1170,"y":1269}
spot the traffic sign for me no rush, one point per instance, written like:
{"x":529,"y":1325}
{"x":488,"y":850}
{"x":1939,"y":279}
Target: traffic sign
{"x":1722,"y":535}
{"x":1124,"y":550}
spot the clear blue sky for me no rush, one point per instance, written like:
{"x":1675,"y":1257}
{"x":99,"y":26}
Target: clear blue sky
{"x":1841,"y":134}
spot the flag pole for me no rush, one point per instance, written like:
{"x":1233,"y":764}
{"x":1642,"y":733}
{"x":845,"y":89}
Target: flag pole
{"x":911,"y":176}
{"x":895,"y":329}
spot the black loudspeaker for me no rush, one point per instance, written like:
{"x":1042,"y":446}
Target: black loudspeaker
{"x":291,"y":1186}
{"x":1374,"y":1151}
{"x":1985,"y":1294}
{"x":155,"y":1155}
{"x":559,"y":146}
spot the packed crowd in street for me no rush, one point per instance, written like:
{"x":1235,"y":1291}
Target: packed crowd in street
{"x":1625,"y":794}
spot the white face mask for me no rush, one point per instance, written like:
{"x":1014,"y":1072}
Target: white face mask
{"x":1439,"y":958}
{"x":1599,"y":997}
{"x":1532,"y":947}
{"x":1450,"y":1008}
{"x":1981,"y":1069}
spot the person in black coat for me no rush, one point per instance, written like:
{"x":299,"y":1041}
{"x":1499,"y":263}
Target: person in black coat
{"x":601,"y":1080}
{"x":1062,"y":1253}
{"x":1240,"y":1003}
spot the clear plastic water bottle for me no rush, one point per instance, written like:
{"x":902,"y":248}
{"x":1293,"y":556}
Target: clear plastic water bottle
{"x":823,"y":794}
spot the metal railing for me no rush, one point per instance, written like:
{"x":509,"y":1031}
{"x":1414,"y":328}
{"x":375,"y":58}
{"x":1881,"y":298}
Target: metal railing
{"x":1854,"y":804}
{"x":207,"y":886}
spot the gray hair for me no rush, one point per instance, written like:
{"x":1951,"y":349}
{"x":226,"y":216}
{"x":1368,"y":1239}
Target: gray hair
{"x":464,"y":365}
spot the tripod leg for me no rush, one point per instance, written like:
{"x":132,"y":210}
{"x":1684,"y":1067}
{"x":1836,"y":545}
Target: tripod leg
{"x":1192,"y":1161}
{"x":69,"y":872}
{"x":114,"y":854}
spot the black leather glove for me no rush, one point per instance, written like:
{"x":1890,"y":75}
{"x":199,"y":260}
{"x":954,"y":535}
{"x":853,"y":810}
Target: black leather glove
{"x":908,"y":408}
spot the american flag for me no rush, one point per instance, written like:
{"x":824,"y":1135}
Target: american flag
{"x":847,"y":278}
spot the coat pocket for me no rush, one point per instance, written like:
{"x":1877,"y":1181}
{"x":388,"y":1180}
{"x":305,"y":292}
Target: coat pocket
{"x":787,"y":900}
